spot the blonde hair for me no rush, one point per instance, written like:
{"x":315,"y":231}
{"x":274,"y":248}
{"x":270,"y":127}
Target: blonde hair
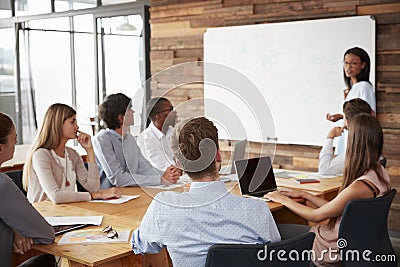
{"x":49,"y":135}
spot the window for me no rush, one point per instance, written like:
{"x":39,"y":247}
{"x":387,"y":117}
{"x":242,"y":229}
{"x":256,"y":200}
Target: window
{"x":31,"y":7}
{"x":5,"y":10}
{"x":51,"y":70}
{"x":122,"y":52}
{"x":67,"y":59}
{"x":7,"y":87}
{"x":65,"y":5}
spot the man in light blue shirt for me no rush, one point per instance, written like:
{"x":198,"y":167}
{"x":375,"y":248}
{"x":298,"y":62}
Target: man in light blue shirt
{"x":328,"y":163}
{"x":117,"y":154}
{"x":188,"y":223}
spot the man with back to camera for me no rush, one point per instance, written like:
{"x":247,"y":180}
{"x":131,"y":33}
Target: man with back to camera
{"x":154,"y":141}
{"x":117,"y":154}
{"x":328,"y":164}
{"x":188,"y":223}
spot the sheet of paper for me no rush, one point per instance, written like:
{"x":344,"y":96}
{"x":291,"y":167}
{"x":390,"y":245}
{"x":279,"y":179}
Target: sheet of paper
{"x":317,"y":175}
{"x":229,"y":177}
{"x":70,"y":220}
{"x":282,"y":174}
{"x":184,"y":179}
{"x":92,"y":237}
{"x":225,"y":169}
{"x":166,"y":186}
{"x":310,"y":175}
{"x":298,"y":175}
{"x":122,"y":199}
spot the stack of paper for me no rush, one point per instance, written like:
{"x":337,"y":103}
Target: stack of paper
{"x":71,"y":220}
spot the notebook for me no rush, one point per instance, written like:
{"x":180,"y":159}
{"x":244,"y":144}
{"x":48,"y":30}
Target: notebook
{"x":238,"y":153}
{"x":256,"y":176}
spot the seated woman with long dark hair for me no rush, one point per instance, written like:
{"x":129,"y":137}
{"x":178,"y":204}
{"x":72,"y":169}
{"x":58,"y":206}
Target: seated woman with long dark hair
{"x":363,"y":177}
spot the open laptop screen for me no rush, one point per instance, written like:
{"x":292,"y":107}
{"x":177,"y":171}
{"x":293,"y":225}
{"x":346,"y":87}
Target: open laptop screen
{"x":256,"y":176}
{"x":238,"y":153}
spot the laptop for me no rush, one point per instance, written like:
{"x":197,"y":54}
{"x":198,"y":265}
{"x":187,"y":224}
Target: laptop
{"x":61,"y":229}
{"x":256,"y":176}
{"x":239,"y":152}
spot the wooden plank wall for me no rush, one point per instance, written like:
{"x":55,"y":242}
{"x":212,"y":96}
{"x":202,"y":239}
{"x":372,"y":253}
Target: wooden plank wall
{"x":177,"y":28}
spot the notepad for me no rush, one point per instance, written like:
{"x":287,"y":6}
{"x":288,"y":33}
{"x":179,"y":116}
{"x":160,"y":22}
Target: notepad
{"x":307,"y":181}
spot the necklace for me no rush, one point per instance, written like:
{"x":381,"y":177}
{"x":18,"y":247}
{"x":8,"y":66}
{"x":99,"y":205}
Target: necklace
{"x":67,"y":183}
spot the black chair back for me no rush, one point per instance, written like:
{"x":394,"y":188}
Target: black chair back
{"x":79,"y":187}
{"x":297,"y":252}
{"x":383,"y":161}
{"x":16,"y":176}
{"x":364,"y":227}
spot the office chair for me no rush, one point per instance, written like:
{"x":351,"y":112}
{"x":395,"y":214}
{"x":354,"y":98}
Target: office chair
{"x":42,"y":260}
{"x":239,"y":255}
{"x":93,"y":125}
{"x":383,"y":161}
{"x":16,"y":176}
{"x":364,"y":227}
{"x":79,"y":187}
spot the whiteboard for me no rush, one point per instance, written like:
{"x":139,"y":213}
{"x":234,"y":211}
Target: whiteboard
{"x":295,"y":66}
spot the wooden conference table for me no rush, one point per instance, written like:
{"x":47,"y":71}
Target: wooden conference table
{"x":129,"y":215}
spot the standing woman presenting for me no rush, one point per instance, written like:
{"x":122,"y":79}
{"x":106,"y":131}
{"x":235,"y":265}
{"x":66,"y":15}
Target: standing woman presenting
{"x":52,"y":168}
{"x":356,"y":69}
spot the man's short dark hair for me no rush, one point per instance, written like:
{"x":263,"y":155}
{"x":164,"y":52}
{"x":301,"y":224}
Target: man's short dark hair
{"x":154,"y":107}
{"x":113,"y":106}
{"x":355,"y":106}
{"x":194,"y":143}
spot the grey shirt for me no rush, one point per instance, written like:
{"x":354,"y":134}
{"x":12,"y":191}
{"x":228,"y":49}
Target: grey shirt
{"x":120,"y":161}
{"x":16,"y":213}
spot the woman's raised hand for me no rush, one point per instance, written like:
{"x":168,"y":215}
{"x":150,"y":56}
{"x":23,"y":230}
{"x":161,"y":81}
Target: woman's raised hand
{"x":84,"y":140}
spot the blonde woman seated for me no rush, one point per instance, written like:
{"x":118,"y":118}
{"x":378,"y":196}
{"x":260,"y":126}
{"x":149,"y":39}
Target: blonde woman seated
{"x":52,"y":168}
{"x":363,"y":177}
